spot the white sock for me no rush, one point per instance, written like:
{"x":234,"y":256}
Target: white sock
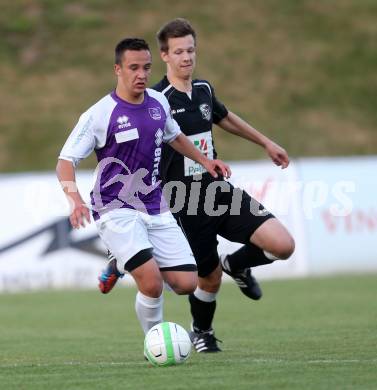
{"x":148,"y":310}
{"x":205,"y":296}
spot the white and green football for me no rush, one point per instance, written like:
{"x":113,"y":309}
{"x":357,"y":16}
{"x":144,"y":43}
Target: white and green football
{"x":167,"y":344}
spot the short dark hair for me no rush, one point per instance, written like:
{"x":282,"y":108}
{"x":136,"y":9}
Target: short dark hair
{"x":129,"y":44}
{"x":176,"y":28}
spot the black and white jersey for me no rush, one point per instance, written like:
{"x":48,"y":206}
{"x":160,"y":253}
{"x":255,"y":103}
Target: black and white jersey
{"x":195,"y":115}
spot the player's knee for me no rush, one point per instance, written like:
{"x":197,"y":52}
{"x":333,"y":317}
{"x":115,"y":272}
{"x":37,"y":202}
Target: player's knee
{"x":184,"y":289}
{"x":211,"y":283}
{"x":280,"y":249}
{"x":186,"y":286}
{"x":153,"y":290}
{"x":213,"y":286}
{"x":285,"y":248}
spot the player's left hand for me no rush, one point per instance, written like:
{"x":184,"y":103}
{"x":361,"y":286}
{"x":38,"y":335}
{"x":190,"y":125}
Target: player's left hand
{"x":277,"y":154}
{"x":218,"y":167}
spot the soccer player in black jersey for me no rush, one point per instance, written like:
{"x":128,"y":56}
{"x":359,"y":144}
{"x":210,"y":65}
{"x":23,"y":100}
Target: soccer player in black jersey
{"x":195,"y":107}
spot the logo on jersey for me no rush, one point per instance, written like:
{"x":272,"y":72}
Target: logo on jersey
{"x":178,"y":111}
{"x":159,"y":135}
{"x":123,"y":122}
{"x":155,"y":113}
{"x":157,"y":156}
{"x":202,"y":145}
{"x":206,"y":111}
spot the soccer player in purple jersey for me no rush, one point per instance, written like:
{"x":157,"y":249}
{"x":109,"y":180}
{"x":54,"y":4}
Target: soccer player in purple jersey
{"x":126,"y":129}
{"x":196,"y":108}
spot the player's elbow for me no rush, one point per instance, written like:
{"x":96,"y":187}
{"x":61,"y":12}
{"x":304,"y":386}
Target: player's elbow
{"x":63,"y":165}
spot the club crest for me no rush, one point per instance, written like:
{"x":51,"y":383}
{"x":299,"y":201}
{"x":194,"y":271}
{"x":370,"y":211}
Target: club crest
{"x":155,"y":113}
{"x":206,"y":111}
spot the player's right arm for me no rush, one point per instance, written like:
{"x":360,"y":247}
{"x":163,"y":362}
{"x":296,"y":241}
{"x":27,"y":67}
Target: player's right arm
{"x":79,"y":145}
{"x":79,"y":211}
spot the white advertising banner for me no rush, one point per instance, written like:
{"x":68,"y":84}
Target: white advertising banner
{"x":38,"y":247}
{"x":329,"y":206}
{"x":339,"y":208}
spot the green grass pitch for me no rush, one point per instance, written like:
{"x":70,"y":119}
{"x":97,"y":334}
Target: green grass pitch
{"x":303,"y":334}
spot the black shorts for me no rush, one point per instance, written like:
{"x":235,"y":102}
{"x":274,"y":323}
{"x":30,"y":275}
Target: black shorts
{"x":236,"y":225}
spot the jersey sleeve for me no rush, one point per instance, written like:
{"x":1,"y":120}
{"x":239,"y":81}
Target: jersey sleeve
{"x":172,"y":129}
{"x":81,"y":142}
{"x":89,"y":133}
{"x":219,"y":109}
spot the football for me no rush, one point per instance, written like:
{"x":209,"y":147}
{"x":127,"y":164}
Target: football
{"x":167,"y":344}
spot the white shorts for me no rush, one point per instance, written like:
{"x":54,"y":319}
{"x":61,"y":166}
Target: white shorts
{"x":126,"y":232}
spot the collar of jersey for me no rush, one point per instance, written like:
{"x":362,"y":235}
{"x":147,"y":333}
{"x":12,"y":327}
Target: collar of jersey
{"x":175,"y":89}
{"x":128,"y":104}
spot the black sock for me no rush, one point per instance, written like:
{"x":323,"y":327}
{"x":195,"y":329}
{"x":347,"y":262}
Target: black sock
{"x":202,"y":313}
{"x":247,"y":256}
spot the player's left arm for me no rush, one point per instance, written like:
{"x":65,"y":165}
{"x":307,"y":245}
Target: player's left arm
{"x":232,"y":123}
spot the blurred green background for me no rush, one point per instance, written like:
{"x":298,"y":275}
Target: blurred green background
{"x":304,"y":72}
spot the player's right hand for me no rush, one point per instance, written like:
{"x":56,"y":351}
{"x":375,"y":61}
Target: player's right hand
{"x":80,"y":215}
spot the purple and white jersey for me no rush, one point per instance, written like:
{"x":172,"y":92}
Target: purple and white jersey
{"x":127,"y":139}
